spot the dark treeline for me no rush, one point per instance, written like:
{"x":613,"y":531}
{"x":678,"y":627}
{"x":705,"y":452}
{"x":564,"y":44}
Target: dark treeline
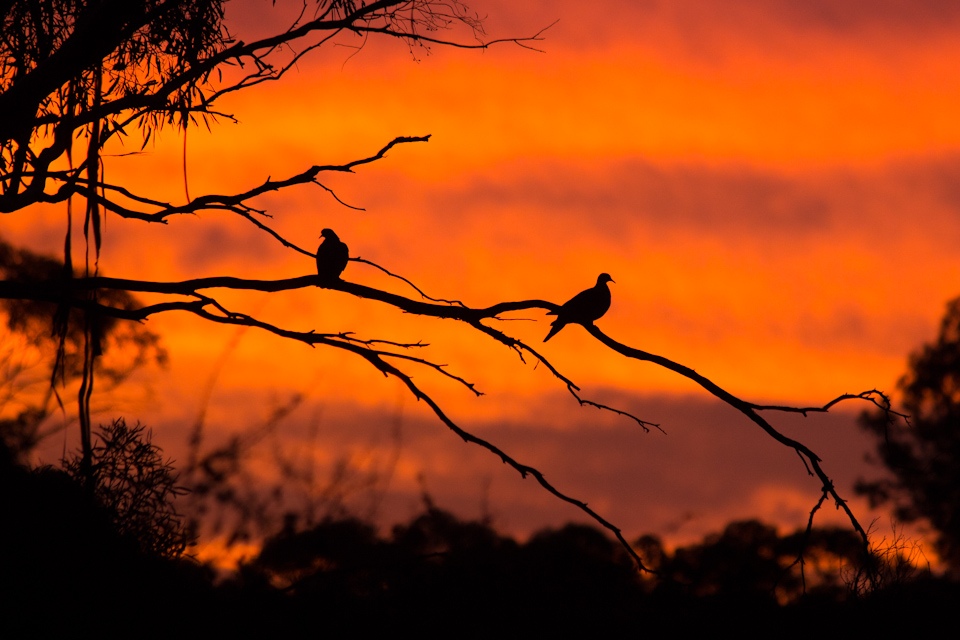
{"x":112,"y":560}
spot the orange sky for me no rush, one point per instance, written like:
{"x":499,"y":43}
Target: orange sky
{"x":771,"y":184}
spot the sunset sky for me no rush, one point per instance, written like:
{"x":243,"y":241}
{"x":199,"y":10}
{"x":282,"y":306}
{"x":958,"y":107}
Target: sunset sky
{"x":773,"y":185}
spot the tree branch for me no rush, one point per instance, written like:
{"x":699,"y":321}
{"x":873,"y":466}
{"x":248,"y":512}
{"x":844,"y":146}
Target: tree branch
{"x":201,"y":303}
{"x":747,"y":409}
{"x":34,"y":99}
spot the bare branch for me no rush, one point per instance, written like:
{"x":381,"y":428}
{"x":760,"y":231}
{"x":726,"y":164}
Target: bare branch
{"x":874,"y":396}
{"x":747,"y":409}
{"x":201,"y":305}
{"x":523,"y":42}
{"x":236,"y":203}
{"x":522,"y":469}
{"x":415,"y":287}
{"x":376,"y":358}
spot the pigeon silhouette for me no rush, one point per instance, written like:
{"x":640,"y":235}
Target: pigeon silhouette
{"x":332,"y":256}
{"x":583,"y":308}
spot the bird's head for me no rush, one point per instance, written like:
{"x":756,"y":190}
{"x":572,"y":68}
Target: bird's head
{"x":329,"y":234}
{"x":604,"y":278}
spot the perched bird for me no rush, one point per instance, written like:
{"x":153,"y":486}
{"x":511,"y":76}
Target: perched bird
{"x":583,"y":308}
{"x":332,"y":256}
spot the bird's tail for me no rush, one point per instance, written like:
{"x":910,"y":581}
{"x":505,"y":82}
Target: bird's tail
{"x":555,"y":326}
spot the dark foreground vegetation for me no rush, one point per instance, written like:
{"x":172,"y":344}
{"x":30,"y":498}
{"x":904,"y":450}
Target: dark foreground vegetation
{"x":110,"y":560}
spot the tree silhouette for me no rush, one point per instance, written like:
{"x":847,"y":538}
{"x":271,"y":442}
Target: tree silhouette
{"x":28,"y":351}
{"x":924,"y":454}
{"x":94,"y":70}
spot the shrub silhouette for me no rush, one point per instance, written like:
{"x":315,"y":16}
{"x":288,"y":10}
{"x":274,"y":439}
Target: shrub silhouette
{"x":133,"y":483}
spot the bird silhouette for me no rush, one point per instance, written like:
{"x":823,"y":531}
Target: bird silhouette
{"x":332,"y":256}
{"x":583,"y":308}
